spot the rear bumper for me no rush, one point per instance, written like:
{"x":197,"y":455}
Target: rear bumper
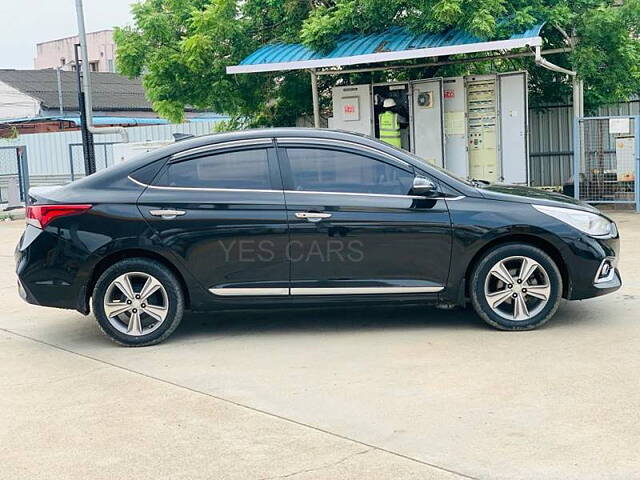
{"x":45,"y":275}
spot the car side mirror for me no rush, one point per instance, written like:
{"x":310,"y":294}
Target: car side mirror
{"x":423,"y":186}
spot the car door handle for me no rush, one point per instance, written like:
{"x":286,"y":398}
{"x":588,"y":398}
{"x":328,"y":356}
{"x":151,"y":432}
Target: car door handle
{"x":167,"y":214}
{"x":313,"y":216}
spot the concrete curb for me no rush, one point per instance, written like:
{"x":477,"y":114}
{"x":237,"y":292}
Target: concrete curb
{"x":17,"y":214}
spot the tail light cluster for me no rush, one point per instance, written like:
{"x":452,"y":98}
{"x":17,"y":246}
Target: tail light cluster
{"x":41,"y":215}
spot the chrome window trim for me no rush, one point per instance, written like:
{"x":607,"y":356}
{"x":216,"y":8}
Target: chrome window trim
{"x":205,"y":189}
{"x":296,"y":291}
{"x":258,"y":142}
{"x":328,"y":141}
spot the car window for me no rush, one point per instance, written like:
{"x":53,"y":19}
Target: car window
{"x":317,"y":169}
{"x":240,"y":169}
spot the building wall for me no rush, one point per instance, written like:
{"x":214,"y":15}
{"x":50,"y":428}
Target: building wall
{"x":100,"y":45}
{"x":15,"y":104}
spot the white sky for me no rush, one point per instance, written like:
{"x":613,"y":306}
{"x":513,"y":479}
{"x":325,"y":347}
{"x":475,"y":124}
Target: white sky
{"x":23,"y":23}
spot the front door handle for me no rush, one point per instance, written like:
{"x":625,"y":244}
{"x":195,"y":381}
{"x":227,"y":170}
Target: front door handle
{"x":313,"y":216}
{"x":167,"y":214}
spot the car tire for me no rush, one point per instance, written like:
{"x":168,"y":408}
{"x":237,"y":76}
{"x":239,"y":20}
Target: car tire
{"x":501,"y":297}
{"x":125,"y":309}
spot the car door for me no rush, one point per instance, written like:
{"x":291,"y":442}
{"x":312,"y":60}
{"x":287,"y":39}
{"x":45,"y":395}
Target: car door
{"x":220,"y":209}
{"x":355,"y":227}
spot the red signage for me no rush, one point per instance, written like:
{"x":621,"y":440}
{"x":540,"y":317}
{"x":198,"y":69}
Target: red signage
{"x":449,"y":93}
{"x":349,"y":109}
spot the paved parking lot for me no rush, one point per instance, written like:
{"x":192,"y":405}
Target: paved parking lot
{"x":408,"y":393}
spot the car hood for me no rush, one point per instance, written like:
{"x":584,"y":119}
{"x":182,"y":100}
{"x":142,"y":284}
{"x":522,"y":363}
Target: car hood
{"x":517,"y":193}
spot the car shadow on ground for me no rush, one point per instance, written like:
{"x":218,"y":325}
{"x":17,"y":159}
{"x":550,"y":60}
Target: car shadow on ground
{"x":337,"y":319}
{"x":334,"y":319}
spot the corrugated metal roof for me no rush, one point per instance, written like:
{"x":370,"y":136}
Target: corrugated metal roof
{"x":396,"y":39}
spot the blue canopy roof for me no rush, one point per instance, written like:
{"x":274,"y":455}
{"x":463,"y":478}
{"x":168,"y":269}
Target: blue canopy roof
{"x":395,"y":44}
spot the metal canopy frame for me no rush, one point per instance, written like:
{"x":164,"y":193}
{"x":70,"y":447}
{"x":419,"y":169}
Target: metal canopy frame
{"x":334,"y":66}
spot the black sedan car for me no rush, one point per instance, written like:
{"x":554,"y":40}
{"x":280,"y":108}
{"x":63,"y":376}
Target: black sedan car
{"x":297,"y":216}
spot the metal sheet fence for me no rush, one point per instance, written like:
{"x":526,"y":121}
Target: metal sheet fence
{"x":49,"y":152}
{"x":607,"y":159}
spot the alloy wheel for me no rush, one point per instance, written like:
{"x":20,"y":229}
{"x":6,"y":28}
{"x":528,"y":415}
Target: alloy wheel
{"x":136,"y":303}
{"x":517,"y":288}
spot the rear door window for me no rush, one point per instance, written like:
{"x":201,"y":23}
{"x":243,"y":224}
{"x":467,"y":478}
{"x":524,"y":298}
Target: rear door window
{"x":241,"y":169}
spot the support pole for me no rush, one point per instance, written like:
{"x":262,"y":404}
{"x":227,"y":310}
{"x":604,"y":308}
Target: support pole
{"x":88,"y":148}
{"x":316,"y":99}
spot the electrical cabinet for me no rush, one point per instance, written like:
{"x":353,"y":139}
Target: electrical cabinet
{"x":482,"y":128}
{"x":475,"y":126}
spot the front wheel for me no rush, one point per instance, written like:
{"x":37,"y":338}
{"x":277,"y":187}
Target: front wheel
{"x":516,"y":287}
{"x":138,"y":302}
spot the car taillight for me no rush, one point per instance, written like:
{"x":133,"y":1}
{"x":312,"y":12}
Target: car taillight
{"x":41,"y":215}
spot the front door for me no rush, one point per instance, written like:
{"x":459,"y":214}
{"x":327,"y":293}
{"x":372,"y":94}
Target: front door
{"x":355,"y":228}
{"x":221,"y":211}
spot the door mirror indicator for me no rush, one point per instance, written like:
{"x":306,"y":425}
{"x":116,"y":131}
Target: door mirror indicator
{"x":423,"y":186}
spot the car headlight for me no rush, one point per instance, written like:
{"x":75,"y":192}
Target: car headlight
{"x":587,"y":222}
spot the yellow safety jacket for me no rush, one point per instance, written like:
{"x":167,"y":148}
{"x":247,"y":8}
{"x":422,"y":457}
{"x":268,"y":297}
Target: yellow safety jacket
{"x":390,"y":128}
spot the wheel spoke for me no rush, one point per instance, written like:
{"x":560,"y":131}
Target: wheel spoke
{"x":501,"y":272}
{"x":156,"y":312}
{"x":113,"y":309}
{"x":150,"y":287}
{"x":520,"y":310}
{"x":498,"y":298}
{"x":124,"y":285}
{"x":541,"y":292}
{"x":527,"y":268}
{"x":135,"y":326}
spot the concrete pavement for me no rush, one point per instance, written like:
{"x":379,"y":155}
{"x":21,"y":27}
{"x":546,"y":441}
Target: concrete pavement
{"x":384,"y":393}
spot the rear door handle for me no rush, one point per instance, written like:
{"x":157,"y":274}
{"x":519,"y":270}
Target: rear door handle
{"x":313,"y":216}
{"x":167,"y":214}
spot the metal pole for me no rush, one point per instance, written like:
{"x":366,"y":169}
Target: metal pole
{"x":636,"y":176}
{"x":23,"y":174}
{"x":60,"y":91}
{"x":82,"y":35}
{"x":316,"y":99}
{"x":87,"y":138}
{"x":576,"y":157}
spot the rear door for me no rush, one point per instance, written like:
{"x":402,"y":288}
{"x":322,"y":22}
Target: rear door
{"x":220,"y":209}
{"x":355,"y":227}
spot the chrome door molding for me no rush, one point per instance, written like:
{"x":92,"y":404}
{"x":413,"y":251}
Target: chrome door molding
{"x":248,"y":292}
{"x":296,"y":291}
{"x":362,"y":290}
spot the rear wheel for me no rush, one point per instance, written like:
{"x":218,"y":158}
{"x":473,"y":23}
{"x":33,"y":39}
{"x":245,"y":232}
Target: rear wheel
{"x":516,"y":287}
{"x":138,"y":302}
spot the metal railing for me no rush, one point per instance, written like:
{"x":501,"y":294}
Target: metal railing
{"x":607,"y":160}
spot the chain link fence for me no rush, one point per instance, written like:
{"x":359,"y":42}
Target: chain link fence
{"x":8,"y":170}
{"x":606,"y":160}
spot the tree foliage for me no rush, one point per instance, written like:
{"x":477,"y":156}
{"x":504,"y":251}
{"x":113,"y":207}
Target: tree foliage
{"x":181,"y":48}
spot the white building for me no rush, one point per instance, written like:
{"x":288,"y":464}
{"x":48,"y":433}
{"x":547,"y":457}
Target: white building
{"x":60,"y":53}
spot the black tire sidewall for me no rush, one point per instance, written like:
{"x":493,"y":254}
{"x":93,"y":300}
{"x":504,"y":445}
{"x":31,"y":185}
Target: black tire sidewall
{"x":511,"y":250}
{"x":164,"y":276}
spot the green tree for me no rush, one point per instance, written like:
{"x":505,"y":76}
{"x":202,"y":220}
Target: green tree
{"x":181,"y":48}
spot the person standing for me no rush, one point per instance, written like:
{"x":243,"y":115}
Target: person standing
{"x":389,"y":123}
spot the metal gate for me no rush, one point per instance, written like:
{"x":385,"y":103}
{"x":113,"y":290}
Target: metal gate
{"x":14,"y":169}
{"x":104,"y":158}
{"x":607,"y":160}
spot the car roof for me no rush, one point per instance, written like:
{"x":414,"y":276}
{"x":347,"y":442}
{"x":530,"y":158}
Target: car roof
{"x":279,"y":132}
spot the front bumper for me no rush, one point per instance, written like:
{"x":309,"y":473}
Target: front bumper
{"x":585,"y":260}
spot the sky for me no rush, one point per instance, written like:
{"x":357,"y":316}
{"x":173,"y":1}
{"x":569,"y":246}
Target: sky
{"x":23,"y":23}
